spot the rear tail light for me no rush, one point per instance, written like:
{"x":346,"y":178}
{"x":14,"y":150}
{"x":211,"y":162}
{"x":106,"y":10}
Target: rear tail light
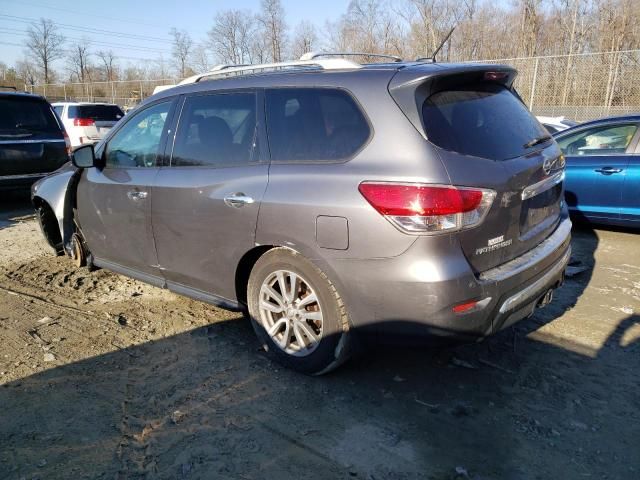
{"x":67,"y":142}
{"x":421,"y":208}
{"x":83,"y":122}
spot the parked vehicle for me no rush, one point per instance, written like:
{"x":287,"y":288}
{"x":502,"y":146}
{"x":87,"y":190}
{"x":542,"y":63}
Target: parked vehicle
{"x":603,"y":170}
{"x":556,"y":124}
{"x":87,"y":122}
{"x":329,"y":199}
{"x":32,"y":141}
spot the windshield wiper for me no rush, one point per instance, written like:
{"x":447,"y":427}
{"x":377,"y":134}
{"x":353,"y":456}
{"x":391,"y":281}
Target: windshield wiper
{"x":537,"y":141}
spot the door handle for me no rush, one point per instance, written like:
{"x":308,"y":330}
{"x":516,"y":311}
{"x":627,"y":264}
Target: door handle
{"x":608,"y":170}
{"x":238,"y":200}
{"x":136,"y":195}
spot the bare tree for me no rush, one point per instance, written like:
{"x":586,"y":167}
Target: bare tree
{"x":232,"y":35}
{"x":305,"y":39}
{"x":181,"y":52}
{"x":200,"y":58}
{"x":27,"y":72}
{"x":107,"y":58}
{"x":78,"y":60}
{"x":271,"y":18}
{"x":158,"y":71}
{"x":45,"y":45}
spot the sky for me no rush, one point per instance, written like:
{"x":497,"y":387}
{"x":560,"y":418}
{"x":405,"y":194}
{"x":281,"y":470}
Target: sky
{"x":136,"y":29}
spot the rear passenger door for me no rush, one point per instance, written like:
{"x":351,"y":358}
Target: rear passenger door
{"x":205,"y":203}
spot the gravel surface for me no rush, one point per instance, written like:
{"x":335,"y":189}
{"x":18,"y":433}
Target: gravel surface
{"x":105,"y":377}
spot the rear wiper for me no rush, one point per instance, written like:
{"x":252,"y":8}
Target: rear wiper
{"x":537,"y":141}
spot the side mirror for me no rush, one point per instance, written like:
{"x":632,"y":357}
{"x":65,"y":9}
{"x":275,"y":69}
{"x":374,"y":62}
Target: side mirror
{"x":83,"y":157}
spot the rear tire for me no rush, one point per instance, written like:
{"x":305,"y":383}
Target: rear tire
{"x":297,"y":313}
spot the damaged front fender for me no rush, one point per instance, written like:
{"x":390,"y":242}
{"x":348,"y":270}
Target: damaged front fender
{"x":57,"y":192}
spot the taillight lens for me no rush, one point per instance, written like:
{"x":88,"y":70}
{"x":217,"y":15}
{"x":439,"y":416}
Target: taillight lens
{"x":67,"y":143}
{"x":421,"y":208}
{"x":83,"y":122}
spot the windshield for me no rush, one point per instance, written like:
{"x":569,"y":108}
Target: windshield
{"x":20,"y":116}
{"x":105,"y":113}
{"x":483,"y":120}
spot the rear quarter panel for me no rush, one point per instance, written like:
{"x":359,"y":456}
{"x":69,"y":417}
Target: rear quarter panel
{"x":299,"y":193}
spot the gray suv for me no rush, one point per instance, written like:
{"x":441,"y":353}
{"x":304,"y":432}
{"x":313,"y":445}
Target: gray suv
{"x":327,"y":199}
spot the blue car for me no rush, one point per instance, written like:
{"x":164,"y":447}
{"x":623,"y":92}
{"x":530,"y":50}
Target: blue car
{"x":603,"y":170}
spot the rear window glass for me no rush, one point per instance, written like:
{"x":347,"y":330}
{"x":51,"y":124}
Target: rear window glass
{"x":26,"y":115}
{"x":311,"y":125}
{"x":481,"y":120}
{"x":104,"y":113}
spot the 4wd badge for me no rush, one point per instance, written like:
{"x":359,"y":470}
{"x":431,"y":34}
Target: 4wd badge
{"x":494,"y":244}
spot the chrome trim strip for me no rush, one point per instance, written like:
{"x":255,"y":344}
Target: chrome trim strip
{"x":542,"y":186}
{"x":536,"y":287}
{"x":27,"y":175}
{"x":46,"y":140}
{"x":532,"y":257}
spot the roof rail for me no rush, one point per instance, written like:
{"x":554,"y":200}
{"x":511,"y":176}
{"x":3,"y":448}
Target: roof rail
{"x":314,"y":55}
{"x":228,"y":70}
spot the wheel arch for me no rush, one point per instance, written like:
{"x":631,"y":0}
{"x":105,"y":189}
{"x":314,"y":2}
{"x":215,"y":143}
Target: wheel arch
{"x":58,"y":193}
{"x":243,"y":270}
{"x":49,"y":224}
{"x":249,"y":259}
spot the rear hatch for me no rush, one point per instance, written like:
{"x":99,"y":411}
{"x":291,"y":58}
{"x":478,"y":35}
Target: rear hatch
{"x":487,"y":138}
{"x":31,"y":139}
{"x":97,"y":119}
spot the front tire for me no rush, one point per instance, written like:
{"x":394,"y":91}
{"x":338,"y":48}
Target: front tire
{"x":297,"y":313}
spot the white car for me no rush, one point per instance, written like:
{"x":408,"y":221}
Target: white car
{"x":556,"y":124}
{"x":87,"y":123}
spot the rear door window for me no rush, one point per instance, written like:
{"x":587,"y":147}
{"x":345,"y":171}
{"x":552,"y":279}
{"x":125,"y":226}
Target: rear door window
{"x":484,"y":120}
{"x":100,"y":113}
{"x":26,"y":116}
{"x":314,"y":125}
{"x":216,"y":130}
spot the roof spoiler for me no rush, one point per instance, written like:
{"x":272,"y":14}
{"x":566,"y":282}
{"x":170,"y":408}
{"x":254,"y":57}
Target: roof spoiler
{"x":411,"y":86}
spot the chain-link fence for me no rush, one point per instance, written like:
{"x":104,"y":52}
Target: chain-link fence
{"x":126,"y":93}
{"x":579,"y":86}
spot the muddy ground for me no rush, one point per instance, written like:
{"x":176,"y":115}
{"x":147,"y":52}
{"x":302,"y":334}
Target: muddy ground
{"x":105,"y":377}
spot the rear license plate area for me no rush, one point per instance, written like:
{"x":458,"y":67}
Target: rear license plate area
{"x":543,"y":206}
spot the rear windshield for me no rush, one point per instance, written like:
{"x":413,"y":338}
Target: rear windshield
{"x":484,"y":120}
{"x":105,"y":113}
{"x":26,"y":115}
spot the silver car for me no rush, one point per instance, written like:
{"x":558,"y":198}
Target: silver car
{"x":328,"y":199}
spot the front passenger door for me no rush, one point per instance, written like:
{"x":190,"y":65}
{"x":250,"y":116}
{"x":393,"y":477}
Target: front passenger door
{"x":114,"y":203}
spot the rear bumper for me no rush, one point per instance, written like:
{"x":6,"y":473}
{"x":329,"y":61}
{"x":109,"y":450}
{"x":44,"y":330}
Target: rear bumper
{"x":413,"y":295}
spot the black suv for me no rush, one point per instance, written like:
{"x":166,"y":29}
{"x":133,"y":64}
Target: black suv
{"x":33,"y":142}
